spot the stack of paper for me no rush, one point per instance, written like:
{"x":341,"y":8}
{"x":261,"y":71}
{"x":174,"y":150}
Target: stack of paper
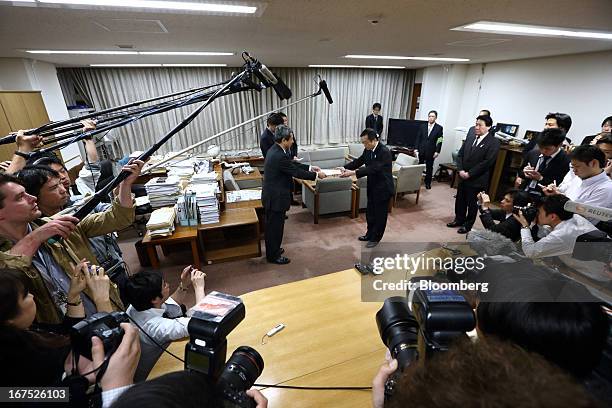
{"x":163,"y":191}
{"x":204,"y":177}
{"x":206,"y":199}
{"x":161,"y":223}
{"x":242,"y":195}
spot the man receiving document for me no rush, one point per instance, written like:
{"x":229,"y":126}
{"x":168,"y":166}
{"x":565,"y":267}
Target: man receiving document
{"x":279,"y":170}
{"x":377,"y":165}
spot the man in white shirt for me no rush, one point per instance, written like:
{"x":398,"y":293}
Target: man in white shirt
{"x":158,"y":314}
{"x":566,"y":227}
{"x":587,"y":182}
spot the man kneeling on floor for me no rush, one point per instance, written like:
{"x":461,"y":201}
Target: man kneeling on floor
{"x":161,"y":316}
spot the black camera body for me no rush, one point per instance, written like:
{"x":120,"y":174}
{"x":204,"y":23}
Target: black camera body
{"x":105,"y":326}
{"x":213,"y":319}
{"x":529,"y":212}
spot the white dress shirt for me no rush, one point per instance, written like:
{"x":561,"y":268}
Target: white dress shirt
{"x":560,"y":241}
{"x":596,"y":190}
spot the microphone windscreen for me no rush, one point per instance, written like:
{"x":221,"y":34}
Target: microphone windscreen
{"x":281,"y":89}
{"x":589,"y":211}
{"x":325,"y":89}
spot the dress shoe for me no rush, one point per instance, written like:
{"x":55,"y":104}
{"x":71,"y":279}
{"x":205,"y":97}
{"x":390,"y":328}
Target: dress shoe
{"x":463,"y":230}
{"x":371,"y":244}
{"x":364,"y":238}
{"x":454,"y":224}
{"x":428,"y":186}
{"x":281,"y":260}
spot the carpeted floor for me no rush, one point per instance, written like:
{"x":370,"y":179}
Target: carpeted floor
{"x":315,"y":250}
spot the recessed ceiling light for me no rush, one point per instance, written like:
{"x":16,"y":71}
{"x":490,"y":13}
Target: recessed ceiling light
{"x":204,"y":53}
{"x":399,"y":57}
{"x":88,"y":52}
{"x":160,"y":5}
{"x":194,"y":65}
{"x":532,"y":30}
{"x":124,"y":65}
{"x":356,"y":66}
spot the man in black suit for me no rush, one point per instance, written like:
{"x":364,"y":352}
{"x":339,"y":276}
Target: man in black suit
{"x":279,"y":170}
{"x":374,"y":120}
{"x":546,"y":165}
{"x":507,"y":225}
{"x":266,"y":140}
{"x":294,"y":146}
{"x":378,"y":162}
{"x":429,"y":143}
{"x":474,"y":161}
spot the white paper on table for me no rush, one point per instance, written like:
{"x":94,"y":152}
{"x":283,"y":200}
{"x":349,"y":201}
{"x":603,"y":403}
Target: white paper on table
{"x":331,"y":172}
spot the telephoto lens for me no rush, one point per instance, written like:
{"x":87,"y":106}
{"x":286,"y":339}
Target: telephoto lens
{"x":398,"y":330}
{"x":243,"y":367}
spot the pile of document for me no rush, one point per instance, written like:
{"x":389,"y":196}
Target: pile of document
{"x":204,"y":177}
{"x":242,"y":195}
{"x":161,"y":223}
{"x":163,"y":191}
{"x":206,"y":200}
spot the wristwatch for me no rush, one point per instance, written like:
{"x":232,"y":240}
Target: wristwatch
{"x":78,"y":302}
{"x":22,"y":154}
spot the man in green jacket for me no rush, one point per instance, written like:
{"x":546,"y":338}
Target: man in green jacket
{"x":24,"y":242}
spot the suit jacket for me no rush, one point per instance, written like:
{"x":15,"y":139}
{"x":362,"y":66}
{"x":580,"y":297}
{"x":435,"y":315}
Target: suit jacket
{"x":378,"y":169}
{"x":477,"y":160}
{"x":266,"y":141}
{"x":279,"y":171}
{"x":555,"y":170}
{"x":376,"y":124}
{"x":509,"y":227}
{"x":428,"y":145}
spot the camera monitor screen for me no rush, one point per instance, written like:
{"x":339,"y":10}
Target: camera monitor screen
{"x":507,"y":128}
{"x":404,"y":133}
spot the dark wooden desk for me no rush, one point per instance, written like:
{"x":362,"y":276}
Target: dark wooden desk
{"x":508,"y":163}
{"x":181,"y":234}
{"x":450,"y":167}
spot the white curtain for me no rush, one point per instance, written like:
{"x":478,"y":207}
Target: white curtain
{"x":315,"y":122}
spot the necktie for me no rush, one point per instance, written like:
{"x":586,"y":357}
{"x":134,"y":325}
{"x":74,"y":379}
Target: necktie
{"x":544,"y":164}
{"x":475,"y":141}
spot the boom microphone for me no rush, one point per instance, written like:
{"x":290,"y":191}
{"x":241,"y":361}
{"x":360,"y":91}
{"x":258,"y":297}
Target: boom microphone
{"x":325,"y":89}
{"x":589,"y":211}
{"x":281,"y":89}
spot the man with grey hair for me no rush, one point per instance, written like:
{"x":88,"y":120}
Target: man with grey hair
{"x":279,"y":170}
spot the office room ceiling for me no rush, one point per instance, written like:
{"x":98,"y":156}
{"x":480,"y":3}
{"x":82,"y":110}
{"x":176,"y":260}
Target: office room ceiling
{"x":296,"y":33}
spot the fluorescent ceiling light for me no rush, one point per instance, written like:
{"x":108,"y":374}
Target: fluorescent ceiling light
{"x":202,"y":53}
{"x":125,"y":65}
{"x":19,"y":1}
{"x":532,"y":30}
{"x":356,"y":66}
{"x":398,"y":57}
{"x":194,"y":65}
{"x":160,"y":5}
{"x":89,"y":52}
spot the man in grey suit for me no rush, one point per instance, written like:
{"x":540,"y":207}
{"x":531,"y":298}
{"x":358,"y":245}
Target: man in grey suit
{"x":279,"y":170}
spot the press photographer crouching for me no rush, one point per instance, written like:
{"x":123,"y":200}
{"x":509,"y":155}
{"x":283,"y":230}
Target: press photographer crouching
{"x":39,"y":355}
{"x":507,"y":225}
{"x":208,"y":380}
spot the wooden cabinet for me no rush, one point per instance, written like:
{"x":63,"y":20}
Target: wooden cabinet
{"x":19,"y":110}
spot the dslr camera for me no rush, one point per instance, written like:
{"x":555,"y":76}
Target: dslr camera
{"x":213,"y":319}
{"x":529,"y":212}
{"x":106,"y":326}
{"x":416,"y":330}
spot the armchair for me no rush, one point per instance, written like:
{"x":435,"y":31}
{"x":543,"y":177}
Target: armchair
{"x":328,"y":196}
{"x":407,"y":176}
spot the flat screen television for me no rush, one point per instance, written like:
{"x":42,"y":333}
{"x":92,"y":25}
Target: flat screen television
{"x":507,"y":128}
{"x":403,"y":132}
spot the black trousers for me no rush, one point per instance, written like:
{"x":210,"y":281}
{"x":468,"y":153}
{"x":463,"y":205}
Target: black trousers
{"x":275,"y":226}
{"x":466,"y":201}
{"x":376,"y":217}
{"x":429,"y":162}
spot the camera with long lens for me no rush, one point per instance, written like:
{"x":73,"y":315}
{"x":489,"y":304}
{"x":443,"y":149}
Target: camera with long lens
{"x":427,"y":325}
{"x":213,"y":319}
{"x":105,"y":326}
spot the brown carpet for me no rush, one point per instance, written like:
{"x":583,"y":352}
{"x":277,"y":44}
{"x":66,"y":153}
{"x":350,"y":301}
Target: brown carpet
{"x":315,"y":250}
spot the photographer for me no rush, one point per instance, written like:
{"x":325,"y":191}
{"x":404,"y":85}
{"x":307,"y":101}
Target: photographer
{"x":159,"y":314}
{"x":507,"y":226}
{"x":38,"y":355}
{"x":566,"y":227}
{"x":196,"y":391}
{"x":505,"y":376}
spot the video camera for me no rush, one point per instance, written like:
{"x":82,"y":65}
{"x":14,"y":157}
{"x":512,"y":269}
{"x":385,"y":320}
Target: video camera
{"x":213,"y":319}
{"x":427,"y":325}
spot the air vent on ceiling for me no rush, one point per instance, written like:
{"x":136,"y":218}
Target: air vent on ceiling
{"x":131,"y":25}
{"x":478,"y":42}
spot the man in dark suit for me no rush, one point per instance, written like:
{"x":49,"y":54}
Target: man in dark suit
{"x":378,"y":162}
{"x":429,"y":143}
{"x":374,"y":120}
{"x":547,"y":164}
{"x":474,"y":161}
{"x":507,"y":225}
{"x":279,"y":171}
{"x":294,"y":146}
{"x":266,"y":140}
